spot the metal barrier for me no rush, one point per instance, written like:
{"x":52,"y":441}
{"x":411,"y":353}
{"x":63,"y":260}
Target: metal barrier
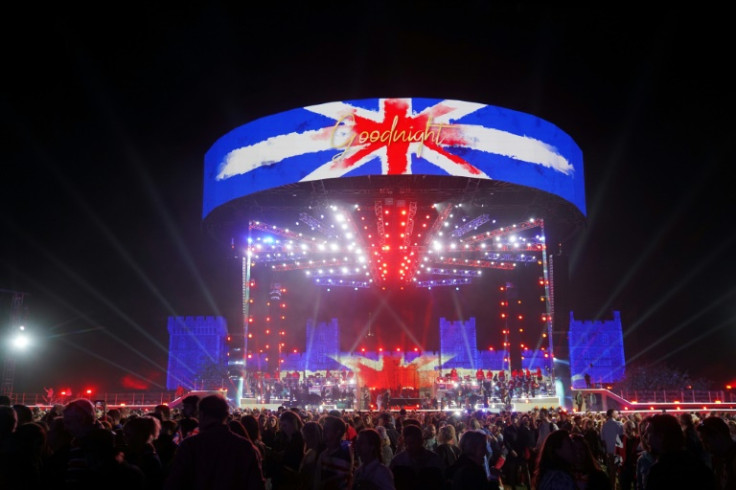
{"x":138,"y":399}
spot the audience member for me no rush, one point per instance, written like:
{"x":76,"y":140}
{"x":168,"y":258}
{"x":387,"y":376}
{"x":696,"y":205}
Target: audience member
{"x":555,"y":463}
{"x":469,"y":471}
{"x":416,"y":466}
{"x":612,"y":432}
{"x":215,"y":457}
{"x":674,"y":467}
{"x":371,"y":474}
{"x":717,"y":441}
{"x":335,"y":464}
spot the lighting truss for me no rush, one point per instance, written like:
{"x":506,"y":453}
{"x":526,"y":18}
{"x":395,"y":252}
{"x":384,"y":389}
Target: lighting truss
{"x":396,"y":242}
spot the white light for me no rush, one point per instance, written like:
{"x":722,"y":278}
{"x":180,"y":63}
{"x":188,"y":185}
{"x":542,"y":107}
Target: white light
{"x":21,"y":341}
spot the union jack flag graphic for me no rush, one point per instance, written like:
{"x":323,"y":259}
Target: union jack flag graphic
{"x":395,"y":136}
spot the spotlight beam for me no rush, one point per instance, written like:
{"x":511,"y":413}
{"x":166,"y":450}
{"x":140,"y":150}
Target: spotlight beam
{"x":680,"y":284}
{"x":686,"y":323}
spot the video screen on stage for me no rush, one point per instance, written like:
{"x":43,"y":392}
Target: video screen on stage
{"x":393,"y":136}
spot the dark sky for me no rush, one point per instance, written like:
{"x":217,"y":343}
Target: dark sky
{"x":106,"y":119}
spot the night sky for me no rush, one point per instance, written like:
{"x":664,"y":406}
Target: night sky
{"x":105,"y":123}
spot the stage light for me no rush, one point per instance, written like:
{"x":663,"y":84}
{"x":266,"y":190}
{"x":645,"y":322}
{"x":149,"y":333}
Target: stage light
{"x":21,"y":340}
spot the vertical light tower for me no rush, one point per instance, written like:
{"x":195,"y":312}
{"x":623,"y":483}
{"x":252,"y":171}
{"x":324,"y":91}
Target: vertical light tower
{"x":16,"y":329}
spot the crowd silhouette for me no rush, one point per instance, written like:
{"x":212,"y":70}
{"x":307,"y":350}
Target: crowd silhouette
{"x":206,"y":444}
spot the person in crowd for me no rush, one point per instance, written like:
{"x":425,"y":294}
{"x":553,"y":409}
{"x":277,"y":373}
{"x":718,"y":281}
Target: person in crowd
{"x":612,"y":431}
{"x":674,"y":467}
{"x":287,"y":451}
{"x":371,"y":474}
{"x":252,"y":427}
{"x":102,"y":466}
{"x":579,"y":401}
{"x":215,"y":457}
{"x":188,"y":423}
{"x":563,"y":420}
{"x":555,"y":463}
{"x":165,"y":445}
{"x":387,"y":420}
{"x":387,"y":454}
{"x":139,"y":434}
{"x":8,"y":424}
{"x":269,"y":430}
{"x":91,"y":459}
{"x":357,"y":423}
{"x":350,"y":432}
{"x":717,"y":441}
{"x":313,"y":446}
{"x":25,"y":414}
{"x":544,"y":427}
{"x":500,"y":453}
{"x":237,"y":426}
{"x":429,"y":434}
{"x":586,"y":470}
{"x":22,"y":461}
{"x":33,"y":439}
{"x":629,"y":455}
{"x":368,"y":421}
{"x":519,"y":440}
{"x":447,"y":447}
{"x":335,"y":464}
{"x":469,"y":471}
{"x":593,"y":438}
{"x":415,"y":466}
{"x":79,"y":419}
{"x":162,"y":412}
{"x":189,"y":407}
{"x":693,"y":444}
{"x":646,"y":459}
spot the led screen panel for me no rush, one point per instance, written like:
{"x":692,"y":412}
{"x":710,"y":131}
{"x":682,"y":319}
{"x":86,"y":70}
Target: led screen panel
{"x":398,"y":136}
